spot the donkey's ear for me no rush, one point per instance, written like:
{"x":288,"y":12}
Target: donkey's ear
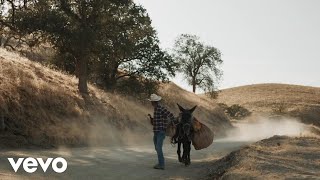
{"x":181,"y":108}
{"x":192,"y":109}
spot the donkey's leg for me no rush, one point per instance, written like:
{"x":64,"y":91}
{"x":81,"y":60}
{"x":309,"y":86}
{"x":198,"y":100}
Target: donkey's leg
{"x":179,"y":151}
{"x":185,"y":152}
{"x":188,"y":154}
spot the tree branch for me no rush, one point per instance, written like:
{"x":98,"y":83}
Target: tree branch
{"x":66,"y":8}
{"x":127,"y":75}
{"x":8,"y":45}
{"x":200,"y":81}
{"x":13,"y":10}
{"x":2,"y":22}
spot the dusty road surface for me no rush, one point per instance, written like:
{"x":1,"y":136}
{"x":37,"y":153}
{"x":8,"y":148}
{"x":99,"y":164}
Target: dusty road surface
{"x":136,"y":162}
{"x":130,"y":162}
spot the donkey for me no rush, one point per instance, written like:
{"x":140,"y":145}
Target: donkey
{"x":184,"y":134}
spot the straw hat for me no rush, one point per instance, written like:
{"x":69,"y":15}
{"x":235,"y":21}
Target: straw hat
{"x":154,"y":97}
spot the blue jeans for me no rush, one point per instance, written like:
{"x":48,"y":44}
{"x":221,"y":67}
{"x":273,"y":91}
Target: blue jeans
{"x":158,"y":138}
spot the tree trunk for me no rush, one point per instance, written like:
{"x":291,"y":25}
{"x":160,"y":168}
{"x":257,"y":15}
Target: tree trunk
{"x":114,"y":76}
{"x":112,"y":79}
{"x":194,"y":85}
{"x":82,"y":74}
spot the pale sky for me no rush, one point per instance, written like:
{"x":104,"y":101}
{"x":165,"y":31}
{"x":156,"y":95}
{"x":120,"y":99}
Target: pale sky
{"x":262,"y":41}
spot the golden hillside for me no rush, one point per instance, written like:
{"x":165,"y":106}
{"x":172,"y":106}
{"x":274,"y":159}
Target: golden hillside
{"x":298,"y":101}
{"x":279,"y":157}
{"x":41,"y":106}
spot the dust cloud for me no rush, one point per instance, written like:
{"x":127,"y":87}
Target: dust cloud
{"x":107,"y":134}
{"x":262,"y":128}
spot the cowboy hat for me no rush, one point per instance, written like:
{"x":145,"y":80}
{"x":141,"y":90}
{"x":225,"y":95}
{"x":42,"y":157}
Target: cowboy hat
{"x":154,"y":97}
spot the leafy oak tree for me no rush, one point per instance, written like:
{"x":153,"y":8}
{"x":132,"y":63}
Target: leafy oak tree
{"x":71,"y":26}
{"x":131,"y":48}
{"x":199,"y":63}
{"x":96,"y":36}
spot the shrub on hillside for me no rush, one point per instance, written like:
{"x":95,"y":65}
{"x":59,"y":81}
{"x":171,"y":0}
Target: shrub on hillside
{"x":279,"y":108}
{"x":235,"y":111}
{"x":213,"y":94}
{"x":139,"y":88}
{"x":223,"y":106}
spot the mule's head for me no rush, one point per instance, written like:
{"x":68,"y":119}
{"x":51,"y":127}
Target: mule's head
{"x":186,"y":114}
{"x":186,"y":122}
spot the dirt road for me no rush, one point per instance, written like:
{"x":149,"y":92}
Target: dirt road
{"x":136,"y":162}
{"x":118,"y":162}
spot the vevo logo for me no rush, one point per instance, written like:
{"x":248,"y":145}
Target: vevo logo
{"x":30,"y":164}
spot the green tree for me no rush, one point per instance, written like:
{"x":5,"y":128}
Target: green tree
{"x":131,"y":48}
{"x":199,"y":63}
{"x":71,"y":26}
{"x":100,"y":36}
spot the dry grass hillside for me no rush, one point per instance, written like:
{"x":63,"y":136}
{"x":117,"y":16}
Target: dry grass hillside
{"x":41,"y":106}
{"x":279,"y":157}
{"x":302,"y":102}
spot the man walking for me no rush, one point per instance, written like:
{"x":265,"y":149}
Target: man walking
{"x":159,"y":122}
